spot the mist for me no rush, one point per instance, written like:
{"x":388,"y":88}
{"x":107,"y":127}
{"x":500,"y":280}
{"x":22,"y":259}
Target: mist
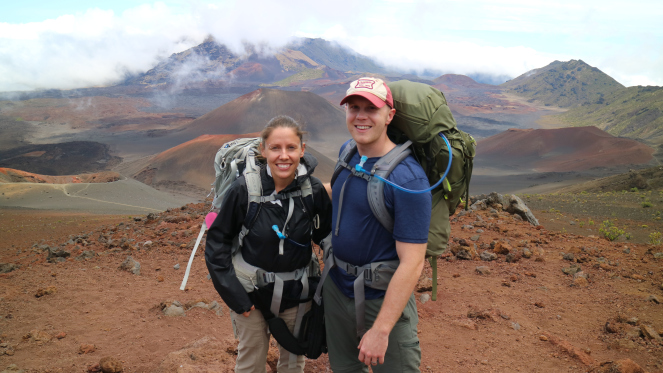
{"x":99,"y":47}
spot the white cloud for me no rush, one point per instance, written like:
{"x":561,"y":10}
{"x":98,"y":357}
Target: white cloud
{"x":507,"y":37}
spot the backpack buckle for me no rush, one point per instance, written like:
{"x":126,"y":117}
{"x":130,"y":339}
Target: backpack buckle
{"x":351,"y":269}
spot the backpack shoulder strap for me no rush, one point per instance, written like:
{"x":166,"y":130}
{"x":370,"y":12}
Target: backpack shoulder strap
{"x":254,"y":190}
{"x":383,"y":168}
{"x":346,"y":154}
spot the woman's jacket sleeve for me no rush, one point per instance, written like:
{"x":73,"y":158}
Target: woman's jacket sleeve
{"x":218,"y":248}
{"x":323,"y":207}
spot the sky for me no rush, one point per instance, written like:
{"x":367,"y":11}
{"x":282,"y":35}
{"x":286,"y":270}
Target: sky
{"x":68,"y":44}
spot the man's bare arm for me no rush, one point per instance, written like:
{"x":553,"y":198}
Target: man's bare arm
{"x":374,"y":344}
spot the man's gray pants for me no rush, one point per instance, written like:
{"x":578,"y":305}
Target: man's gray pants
{"x":403,"y":353}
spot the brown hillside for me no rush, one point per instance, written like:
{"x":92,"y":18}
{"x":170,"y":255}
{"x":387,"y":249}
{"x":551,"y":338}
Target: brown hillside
{"x":8,"y":175}
{"x":190,"y":166}
{"x":250,"y":113}
{"x":563,"y":149}
{"x":456,"y":80}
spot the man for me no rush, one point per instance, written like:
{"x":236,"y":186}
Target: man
{"x":390,"y":343}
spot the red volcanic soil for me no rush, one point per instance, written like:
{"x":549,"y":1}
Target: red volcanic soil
{"x":247,"y":69}
{"x":8,"y":175}
{"x":563,"y":149}
{"x":252,"y":111}
{"x":520,"y":314}
{"x":192,"y":164}
{"x":108,"y":113}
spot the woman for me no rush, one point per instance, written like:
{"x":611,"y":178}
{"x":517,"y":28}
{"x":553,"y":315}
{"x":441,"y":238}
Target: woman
{"x":278,"y":240}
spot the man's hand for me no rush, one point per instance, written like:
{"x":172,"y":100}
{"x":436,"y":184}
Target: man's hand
{"x":247,"y":313}
{"x":373,"y":346}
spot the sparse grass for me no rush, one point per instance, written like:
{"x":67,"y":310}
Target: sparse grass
{"x":610,"y":231}
{"x":646,"y":204}
{"x":655,"y":238}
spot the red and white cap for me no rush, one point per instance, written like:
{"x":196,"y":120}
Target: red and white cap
{"x":373,"y":89}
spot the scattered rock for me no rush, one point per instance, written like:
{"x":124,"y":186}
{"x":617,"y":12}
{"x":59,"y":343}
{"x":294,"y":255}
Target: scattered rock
{"x":649,"y":332}
{"x":612,"y":327}
{"x":7,"y":267}
{"x":502,"y":248}
{"x":176,"y":266}
{"x":543,"y":338}
{"x":87,"y":254}
{"x":467,"y":324}
{"x":86,"y":348}
{"x":61,"y":335}
{"x":110,"y":364}
{"x":654,"y":298}
{"x":482,"y":270}
{"x":130,"y":265}
{"x":580,"y":282}
{"x":517,"y":206}
{"x":527,"y":253}
{"x":57,"y":255}
{"x":13,"y":368}
{"x":424,"y":298}
{"x":512,"y":257}
{"x":463,"y":254}
{"x":210,"y":354}
{"x":489,"y":314}
{"x":38,"y":336}
{"x":174,"y":310}
{"x":619,"y":366}
{"x":572,"y":270}
{"x":45,"y":291}
{"x":487,"y":256}
{"x":539,"y":305}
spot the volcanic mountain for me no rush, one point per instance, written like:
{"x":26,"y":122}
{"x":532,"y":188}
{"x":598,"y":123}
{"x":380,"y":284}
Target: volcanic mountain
{"x":323,"y":122}
{"x":564,"y":84}
{"x":189,"y":167}
{"x":561,"y":150}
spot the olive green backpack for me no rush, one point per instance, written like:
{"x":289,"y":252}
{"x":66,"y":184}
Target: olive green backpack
{"x":422,"y":114}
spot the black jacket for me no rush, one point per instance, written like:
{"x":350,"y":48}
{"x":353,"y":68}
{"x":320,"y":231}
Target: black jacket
{"x":261,"y":245}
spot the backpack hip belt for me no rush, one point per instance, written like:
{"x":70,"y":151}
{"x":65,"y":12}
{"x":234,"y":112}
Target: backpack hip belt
{"x":261,"y":278}
{"x":376,"y":275}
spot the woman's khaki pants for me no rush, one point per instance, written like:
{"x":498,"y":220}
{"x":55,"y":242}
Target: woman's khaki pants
{"x":253,"y":334}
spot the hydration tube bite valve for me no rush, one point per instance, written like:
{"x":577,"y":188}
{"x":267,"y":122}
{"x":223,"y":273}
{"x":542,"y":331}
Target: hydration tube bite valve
{"x":278,"y":233}
{"x":283,"y":236}
{"x":360,"y":168}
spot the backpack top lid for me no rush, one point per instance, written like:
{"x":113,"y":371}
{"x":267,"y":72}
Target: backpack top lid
{"x":421,"y":111}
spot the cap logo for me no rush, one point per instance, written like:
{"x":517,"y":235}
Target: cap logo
{"x":365,"y":83}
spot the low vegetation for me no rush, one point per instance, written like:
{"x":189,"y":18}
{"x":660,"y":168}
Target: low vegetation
{"x":633,"y":214}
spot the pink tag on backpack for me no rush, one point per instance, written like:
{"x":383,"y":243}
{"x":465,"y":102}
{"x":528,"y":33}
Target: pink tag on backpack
{"x":209,"y":219}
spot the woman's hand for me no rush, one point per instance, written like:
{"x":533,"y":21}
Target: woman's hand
{"x":246,"y":314}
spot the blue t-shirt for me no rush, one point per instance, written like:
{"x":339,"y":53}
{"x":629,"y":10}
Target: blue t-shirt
{"x":361,"y":238}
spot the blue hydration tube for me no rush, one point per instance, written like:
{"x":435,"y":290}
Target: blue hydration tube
{"x":283,"y":237}
{"x":359,"y":167}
